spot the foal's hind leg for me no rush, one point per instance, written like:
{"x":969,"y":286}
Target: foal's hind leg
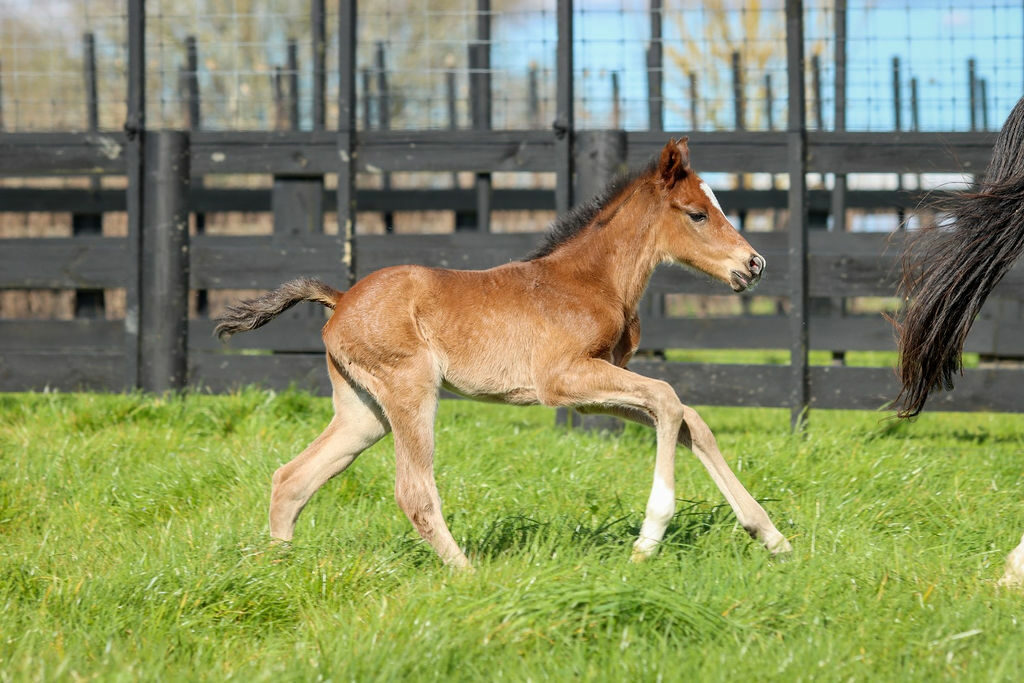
{"x":411,"y":411}
{"x":357,"y":424}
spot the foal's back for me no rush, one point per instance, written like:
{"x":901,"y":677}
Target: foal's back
{"x":488,"y":332}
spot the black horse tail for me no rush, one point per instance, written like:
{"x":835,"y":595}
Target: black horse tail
{"x":252,"y":313}
{"x":950,"y":269}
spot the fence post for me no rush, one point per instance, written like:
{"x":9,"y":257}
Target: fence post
{"x":972,"y":92}
{"x":600,"y":156}
{"x":800,"y":386}
{"x":346,"y":191}
{"x":318,"y":26}
{"x":89,"y":303}
{"x":190,"y":97}
{"x":296,"y":200}
{"x":655,"y":70}
{"x":838,"y":207}
{"x":135,"y":153}
{"x":564,"y":125}
{"x":384,"y":123}
{"x":480,"y":104}
{"x":163,"y":359}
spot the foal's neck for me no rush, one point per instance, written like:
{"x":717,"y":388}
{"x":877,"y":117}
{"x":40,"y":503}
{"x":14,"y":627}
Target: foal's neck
{"x":617,"y":249}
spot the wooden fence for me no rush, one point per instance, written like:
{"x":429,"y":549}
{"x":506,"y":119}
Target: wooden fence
{"x":157,"y":346}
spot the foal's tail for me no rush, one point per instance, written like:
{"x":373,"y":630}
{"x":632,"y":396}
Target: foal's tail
{"x":949,"y":270}
{"x":252,"y":313}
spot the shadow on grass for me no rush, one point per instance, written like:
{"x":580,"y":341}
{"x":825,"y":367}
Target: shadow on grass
{"x":609,"y":535}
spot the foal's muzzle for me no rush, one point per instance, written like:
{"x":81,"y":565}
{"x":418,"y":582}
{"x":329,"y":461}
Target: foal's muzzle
{"x":748,"y":280}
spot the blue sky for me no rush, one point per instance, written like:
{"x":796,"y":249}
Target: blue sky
{"x":933,"y":41}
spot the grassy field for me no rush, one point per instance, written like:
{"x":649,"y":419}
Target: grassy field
{"x":133,"y":545}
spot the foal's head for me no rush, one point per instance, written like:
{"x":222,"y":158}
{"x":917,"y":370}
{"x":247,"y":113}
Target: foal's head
{"x":692,"y":229}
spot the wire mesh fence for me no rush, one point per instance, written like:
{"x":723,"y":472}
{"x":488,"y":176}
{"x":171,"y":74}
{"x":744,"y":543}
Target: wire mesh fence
{"x":639,"y":64}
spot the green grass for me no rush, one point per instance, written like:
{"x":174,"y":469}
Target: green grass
{"x":133,"y":545}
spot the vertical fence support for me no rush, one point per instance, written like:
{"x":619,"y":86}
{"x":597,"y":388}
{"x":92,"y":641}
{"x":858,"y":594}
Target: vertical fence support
{"x":564,"y":124}
{"x":897,"y":111}
{"x":163,"y":334}
{"x":480,"y":103}
{"x":800,"y":387}
{"x":347,"y":135}
{"x":384,"y":123}
{"x":193,"y":122}
{"x":89,"y":303}
{"x":296,"y":200}
{"x":839,"y":182}
{"x":533,"y":97}
{"x":135,"y":153}
{"x":318,"y":30}
{"x":600,"y":157}
{"x":915,"y":113}
{"x":655,"y":71}
{"x":972,"y":93}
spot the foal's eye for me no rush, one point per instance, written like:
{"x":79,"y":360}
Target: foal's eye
{"x":697,"y":216}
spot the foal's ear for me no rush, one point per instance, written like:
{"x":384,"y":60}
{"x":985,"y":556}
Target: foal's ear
{"x":675,"y":162}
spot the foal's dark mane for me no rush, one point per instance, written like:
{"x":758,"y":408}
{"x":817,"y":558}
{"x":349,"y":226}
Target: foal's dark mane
{"x":572,"y":223}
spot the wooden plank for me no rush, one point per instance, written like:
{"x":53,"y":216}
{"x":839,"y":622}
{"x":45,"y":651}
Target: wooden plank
{"x":457,"y":250}
{"x":847,"y":388}
{"x":277,"y":152}
{"x":828,"y":151}
{"x":316,"y":152}
{"x":717,"y":151}
{"x":223,"y":262}
{"x":872,"y":388}
{"x":841,"y":264}
{"x":301,"y":335}
{"x":31,"y":154}
{"x":63,"y":262}
{"x":212,"y":200}
{"x":463,"y":150}
{"x":903,"y":152}
{"x":219,"y":372}
{"x":720,"y":384}
{"x":52,"y":336}
{"x":62,"y":371}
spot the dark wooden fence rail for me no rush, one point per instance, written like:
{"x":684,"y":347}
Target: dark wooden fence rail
{"x":157,"y":264}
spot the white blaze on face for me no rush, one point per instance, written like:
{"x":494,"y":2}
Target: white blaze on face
{"x":711,"y":195}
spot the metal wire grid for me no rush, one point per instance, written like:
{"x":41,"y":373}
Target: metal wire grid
{"x":244,"y":75}
{"x":42,"y":53}
{"x":908,"y":63}
{"x":416,"y":68}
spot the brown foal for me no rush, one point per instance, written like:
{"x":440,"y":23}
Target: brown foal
{"x":556,"y":329}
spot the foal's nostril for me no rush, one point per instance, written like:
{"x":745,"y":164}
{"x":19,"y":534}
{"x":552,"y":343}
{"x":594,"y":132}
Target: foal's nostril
{"x":756,"y":264}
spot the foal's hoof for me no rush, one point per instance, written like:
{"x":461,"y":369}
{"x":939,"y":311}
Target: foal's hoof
{"x":779,"y":548}
{"x":643,"y":550}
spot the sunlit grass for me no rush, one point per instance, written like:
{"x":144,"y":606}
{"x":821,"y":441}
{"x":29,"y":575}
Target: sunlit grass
{"x":133,"y":545}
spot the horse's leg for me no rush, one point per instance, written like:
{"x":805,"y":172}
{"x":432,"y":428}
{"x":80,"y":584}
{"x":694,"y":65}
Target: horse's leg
{"x":357,"y":424}
{"x":698,"y":438}
{"x":412,"y":410}
{"x":696,"y":435}
{"x":598,"y":386}
{"x":1014,"y":575}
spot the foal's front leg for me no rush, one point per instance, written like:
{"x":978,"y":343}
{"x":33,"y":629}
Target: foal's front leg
{"x":595,"y":385}
{"x":696,"y":435}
